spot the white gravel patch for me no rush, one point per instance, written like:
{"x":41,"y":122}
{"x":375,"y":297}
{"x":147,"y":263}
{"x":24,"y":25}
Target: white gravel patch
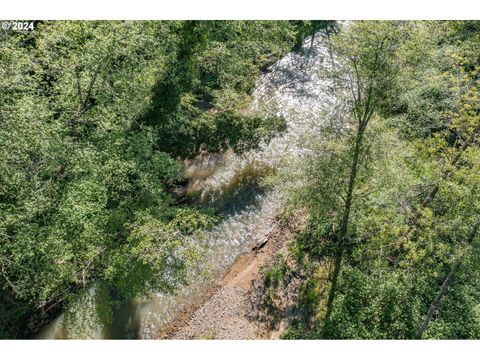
{"x":223,"y":316}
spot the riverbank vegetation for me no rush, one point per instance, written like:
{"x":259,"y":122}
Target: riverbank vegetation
{"x":96,"y":118}
{"x":391,"y":250}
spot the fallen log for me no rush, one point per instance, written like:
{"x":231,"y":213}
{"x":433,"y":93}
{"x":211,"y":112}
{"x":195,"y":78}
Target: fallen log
{"x":263,"y":241}
{"x":260,"y":244}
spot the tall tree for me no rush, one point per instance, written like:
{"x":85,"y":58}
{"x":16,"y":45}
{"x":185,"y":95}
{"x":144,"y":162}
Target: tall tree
{"x":367,"y":65}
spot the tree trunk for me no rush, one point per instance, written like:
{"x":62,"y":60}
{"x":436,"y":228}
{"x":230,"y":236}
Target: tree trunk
{"x":344,"y":225}
{"x":446,"y":283}
{"x":434,"y":192}
{"x":434,"y":306}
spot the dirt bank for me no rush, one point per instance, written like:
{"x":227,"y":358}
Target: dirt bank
{"x":228,"y":309}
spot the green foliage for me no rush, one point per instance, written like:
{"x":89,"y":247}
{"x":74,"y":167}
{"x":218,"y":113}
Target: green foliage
{"x":459,"y":316}
{"x":414,"y":214}
{"x":95,"y":118}
{"x":152,"y":248}
{"x":375,"y":306}
{"x":203,"y":104}
{"x":276,"y":274}
{"x":311,"y":27}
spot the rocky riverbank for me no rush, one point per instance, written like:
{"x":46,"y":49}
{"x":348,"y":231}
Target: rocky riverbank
{"x":230,"y":309}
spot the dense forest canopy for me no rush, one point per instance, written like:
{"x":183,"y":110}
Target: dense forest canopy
{"x":97,"y":118}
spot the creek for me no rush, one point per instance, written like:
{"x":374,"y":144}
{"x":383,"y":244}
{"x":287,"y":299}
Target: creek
{"x":232,"y":184}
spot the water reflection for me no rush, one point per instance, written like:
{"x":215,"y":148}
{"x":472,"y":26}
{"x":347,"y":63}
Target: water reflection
{"x":293,"y":88}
